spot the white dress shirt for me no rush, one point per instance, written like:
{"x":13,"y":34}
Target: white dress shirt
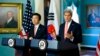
{"x":69,"y":23}
{"x":9,"y":20}
{"x":36,"y":28}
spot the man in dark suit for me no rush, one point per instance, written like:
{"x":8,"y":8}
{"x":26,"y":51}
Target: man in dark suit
{"x":70,"y":31}
{"x":38,"y":31}
{"x":11,"y":23}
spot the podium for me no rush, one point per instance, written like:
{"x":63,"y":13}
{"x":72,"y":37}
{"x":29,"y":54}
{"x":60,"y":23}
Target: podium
{"x":16,"y":43}
{"x":52,"y":47}
{"x":56,"y":48}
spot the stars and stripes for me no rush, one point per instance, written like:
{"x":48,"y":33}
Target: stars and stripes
{"x":26,"y":22}
{"x":98,"y":48}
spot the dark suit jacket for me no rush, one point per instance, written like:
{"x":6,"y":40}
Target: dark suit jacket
{"x":75,"y":28}
{"x":11,"y":24}
{"x":40,"y":34}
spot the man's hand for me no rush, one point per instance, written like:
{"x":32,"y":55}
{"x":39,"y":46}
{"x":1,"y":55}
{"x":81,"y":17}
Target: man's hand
{"x":30,"y":38}
{"x":53,"y":34}
{"x":68,"y":35}
{"x":24,"y":37}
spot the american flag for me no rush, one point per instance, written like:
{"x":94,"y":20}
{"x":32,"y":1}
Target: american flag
{"x":98,"y":48}
{"x":26,"y":22}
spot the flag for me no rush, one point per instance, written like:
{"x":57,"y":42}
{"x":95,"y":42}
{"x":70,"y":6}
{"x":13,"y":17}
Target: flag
{"x":75,"y":15}
{"x":98,"y":48}
{"x":26,"y":21}
{"x":52,"y":24}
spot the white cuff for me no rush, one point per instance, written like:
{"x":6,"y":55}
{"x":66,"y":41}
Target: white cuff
{"x":72,"y":39}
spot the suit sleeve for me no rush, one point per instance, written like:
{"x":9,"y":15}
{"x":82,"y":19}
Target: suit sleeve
{"x":30,"y":34}
{"x":44,"y":33}
{"x":59,"y":35}
{"x":77,"y":35}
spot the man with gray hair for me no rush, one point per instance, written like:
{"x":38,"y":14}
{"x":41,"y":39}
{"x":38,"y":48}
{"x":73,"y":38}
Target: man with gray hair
{"x":70,"y":31}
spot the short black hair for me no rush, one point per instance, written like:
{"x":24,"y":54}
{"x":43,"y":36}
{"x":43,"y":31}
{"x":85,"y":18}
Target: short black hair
{"x":37,"y":15}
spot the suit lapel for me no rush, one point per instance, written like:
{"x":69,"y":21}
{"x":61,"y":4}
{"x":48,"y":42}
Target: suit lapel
{"x":71,"y":27}
{"x":38,"y":30}
{"x":10,"y":22}
{"x":32,"y":31}
{"x":63,"y":26}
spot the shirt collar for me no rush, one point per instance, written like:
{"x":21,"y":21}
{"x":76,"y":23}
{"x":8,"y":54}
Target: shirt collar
{"x":69,"y":22}
{"x":37,"y":25}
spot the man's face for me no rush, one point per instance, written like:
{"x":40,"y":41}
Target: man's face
{"x":35,"y":19}
{"x":9,"y":14}
{"x":67,"y":16}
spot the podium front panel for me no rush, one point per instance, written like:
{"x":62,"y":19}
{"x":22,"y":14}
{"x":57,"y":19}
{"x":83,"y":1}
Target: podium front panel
{"x":52,"y":44}
{"x":35,"y":43}
{"x":5,"y":41}
{"x":20,"y":42}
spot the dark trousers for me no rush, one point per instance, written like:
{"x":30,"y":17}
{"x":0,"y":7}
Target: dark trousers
{"x":73,"y":52}
{"x":26,"y":51}
{"x":37,"y":52}
{"x":33,"y":52}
